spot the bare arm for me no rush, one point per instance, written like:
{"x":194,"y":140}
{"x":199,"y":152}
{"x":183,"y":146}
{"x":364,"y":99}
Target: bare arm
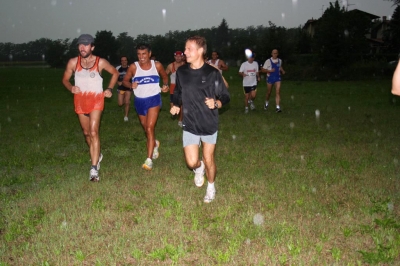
{"x":105,"y":65}
{"x":169,"y":69}
{"x":130,"y":73}
{"x":69,"y":71}
{"x":222,"y":65}
{"x":164,"y":77}
{"x":396,"y":81}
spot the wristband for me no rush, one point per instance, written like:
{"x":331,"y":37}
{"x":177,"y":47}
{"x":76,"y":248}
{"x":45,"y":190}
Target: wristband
{"x":110,"y":89}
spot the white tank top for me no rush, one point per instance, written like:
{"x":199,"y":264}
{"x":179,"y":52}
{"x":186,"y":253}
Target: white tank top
{"x":216,"y":65}
{"x":148,"y":80}
{"x":88,"y":80}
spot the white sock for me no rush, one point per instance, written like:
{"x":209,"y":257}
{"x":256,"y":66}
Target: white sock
{"x":149,"y":159}
{"x":266,"y":102}
{"x":278,"y":107}
{"x":210,"y":185}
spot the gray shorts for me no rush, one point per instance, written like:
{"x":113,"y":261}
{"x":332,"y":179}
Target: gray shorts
{"x":190,"y":139}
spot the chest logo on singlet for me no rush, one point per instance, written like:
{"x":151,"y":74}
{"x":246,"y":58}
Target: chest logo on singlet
{"x":92,"y":74}
{"x":147,"y":79}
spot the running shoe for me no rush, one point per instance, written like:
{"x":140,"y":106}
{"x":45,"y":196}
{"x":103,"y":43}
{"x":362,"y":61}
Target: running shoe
{"x":94,"y":175}
{"x":266,"y":107}
{"x":199,"y":175}
{"x":210,"y":195}
{"x":126,"y":119}
{"x":278,"y":110}
{"x":246,"y":110}
{"x":155,"y":151}
{"x":148,"y":164}
{"x":252,"y":106}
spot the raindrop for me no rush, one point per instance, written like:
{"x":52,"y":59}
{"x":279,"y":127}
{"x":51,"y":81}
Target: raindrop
{"x":302,"y":157}
{"x":248,"y":53}
{"x":328,"y":126}
{"x":64,"y":224}
{"x":291,"y":125}
{"x":390,"y":206}
{"x":78,"y":30}
{"x":248,"y":241}
{"x":395,"y":161}
{"x":283,"y":16}
{"x":317,"y":113}
{"x":53,"y":2}
{"x":294,"y":2}
{"x":349,"y":108}
{"x":9,"y":119}
{"x":292,"y":97}
{"x":43,"y":88}
{"x":258,"y":219}
{"x":314,"y":190}
{"x":38,"y":125}
{"x":164,"y":13}
{"x":233,"y":137}
{"x":10,"y":57}
{"x":346,"y":33}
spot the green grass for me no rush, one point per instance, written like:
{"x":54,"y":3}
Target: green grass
{"x":326,"y":187}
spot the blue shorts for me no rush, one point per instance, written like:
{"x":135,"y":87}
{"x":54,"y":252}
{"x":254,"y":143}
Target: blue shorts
{"x":248,"y":89}
{"x":273,"y":79}
{"x":190,"y":139}
{"x":142,"y":105}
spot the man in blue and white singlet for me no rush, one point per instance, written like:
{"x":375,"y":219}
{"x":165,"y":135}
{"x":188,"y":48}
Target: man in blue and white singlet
{"x":144,"y":78}
{"x":273,"y":68}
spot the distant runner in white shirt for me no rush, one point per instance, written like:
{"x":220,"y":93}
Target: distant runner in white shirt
{"x":249,"y":71}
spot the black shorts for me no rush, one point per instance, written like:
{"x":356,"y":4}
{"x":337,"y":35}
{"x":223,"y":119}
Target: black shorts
{"x":248,"y":89}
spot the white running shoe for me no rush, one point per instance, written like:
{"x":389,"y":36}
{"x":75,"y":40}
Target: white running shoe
{"x":199,"y":175}
{"x":94,"y":175}
{"x":246,"y":110}
{"x":98,"y":163}
{"x":148,"y":164}
{"x":126,"y":119}
{"x":155,"y":151}
{"x":210,"y":195}
{"x":266,"y":107}
{"x":252,"y":106}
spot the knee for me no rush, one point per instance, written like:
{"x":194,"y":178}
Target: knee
{"x":192,"y":164}
{"x":93,"y":133}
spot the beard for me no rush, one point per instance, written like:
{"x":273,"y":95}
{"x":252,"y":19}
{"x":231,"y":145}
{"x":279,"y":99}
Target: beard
{"x":86,"y":55}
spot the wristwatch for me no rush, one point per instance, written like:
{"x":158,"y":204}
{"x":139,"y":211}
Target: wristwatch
{"x":216,"y":104}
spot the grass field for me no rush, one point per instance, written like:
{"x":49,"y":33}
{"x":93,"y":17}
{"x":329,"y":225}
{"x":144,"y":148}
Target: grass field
{"x":293,"y":188}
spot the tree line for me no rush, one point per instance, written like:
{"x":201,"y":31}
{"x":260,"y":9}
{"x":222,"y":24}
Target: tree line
{"x":339,"y":40}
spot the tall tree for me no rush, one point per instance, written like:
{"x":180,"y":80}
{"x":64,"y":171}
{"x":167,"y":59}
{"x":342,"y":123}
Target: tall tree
{"x":126,"y":46}
{"x":395,"y":29}
{"x":56,"y":54}
{"x":340,"y":36}
{"x":106,"y":46}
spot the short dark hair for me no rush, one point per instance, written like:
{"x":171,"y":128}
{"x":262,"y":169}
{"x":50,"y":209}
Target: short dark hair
{"x":200,"y":41}
{"x":125,"y":57}
{"x":143,"y":46}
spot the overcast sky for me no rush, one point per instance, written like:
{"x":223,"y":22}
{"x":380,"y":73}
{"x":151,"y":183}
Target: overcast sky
{"x":28,"y":20}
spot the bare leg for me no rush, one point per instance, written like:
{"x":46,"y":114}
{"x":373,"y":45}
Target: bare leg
{"x":127,"y":102}
{"x":149,"y":122}
{"x":277,"y":93}
{"x":90,"y":127}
